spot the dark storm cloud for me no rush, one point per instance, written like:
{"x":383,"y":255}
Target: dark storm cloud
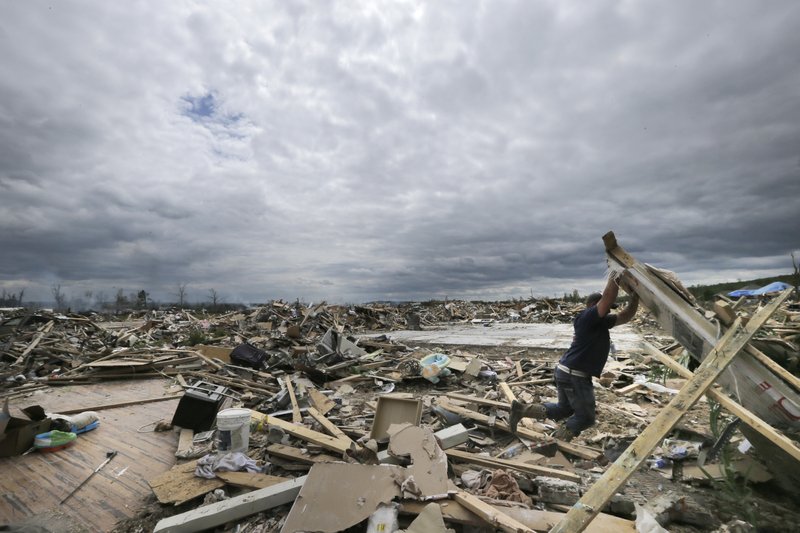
{"x":355,"y":152}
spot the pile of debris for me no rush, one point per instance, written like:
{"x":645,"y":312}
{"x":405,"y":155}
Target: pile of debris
{"x":290,"y":419}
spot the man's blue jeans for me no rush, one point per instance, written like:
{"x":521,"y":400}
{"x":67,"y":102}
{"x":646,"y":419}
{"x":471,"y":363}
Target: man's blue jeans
{"x":575,"y":400}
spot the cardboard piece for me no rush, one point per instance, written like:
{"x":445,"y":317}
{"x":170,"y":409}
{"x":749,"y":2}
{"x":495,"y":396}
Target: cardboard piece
{"x":17,"y":431}
{"x":394,"y":410}
{"x":178,"y":485}
{"x":428,"y":461}
{"x":223,"y":353}
{"x":337,"y":496}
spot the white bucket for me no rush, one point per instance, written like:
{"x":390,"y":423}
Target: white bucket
{"x":233,"y":430}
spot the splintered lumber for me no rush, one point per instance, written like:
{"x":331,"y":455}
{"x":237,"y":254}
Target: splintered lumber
{"x":297,"y":418}
{"x":322,"y":403}
{"x":329,"y":426}
{"x":491,"y":515}
{"x":185,"y":440}
{"x":301,"y":432}
{"x":542,"y":381}
{"x":39,"y":336}
{"x":479,"y":401}
{"x":104,"y":406}
{"x":753,"y":379}
{"x":727,"y":315}
{"x":249,"y":480}
{"x":216,"y":514}
{"x":293,"y":454}
{"x":507,"y":392}
{"x":747,"y":417}
{"x":490,"y":462}
{"x":584,"y":452}
{"x":541,"y":521}
{"x":179,"y":484}
{"x":709,"y":370}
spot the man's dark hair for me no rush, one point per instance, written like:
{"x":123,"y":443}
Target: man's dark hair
{"x":593,"y":298}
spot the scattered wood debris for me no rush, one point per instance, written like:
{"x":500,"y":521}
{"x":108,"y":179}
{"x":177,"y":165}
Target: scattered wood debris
{"x":344,"y":425}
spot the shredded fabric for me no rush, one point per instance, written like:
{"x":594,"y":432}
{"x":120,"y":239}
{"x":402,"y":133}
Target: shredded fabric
{"x":230,"y":462}
{"x":504,"y":487}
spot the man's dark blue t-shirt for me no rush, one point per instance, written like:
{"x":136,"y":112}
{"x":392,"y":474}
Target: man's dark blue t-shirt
{"x":591,"y":342}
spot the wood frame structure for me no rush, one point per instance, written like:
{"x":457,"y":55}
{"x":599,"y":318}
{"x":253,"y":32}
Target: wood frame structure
{"x":698,"y":336}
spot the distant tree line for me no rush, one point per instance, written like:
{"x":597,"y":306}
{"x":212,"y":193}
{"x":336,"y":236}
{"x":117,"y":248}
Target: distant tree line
{"x":120,"y":302}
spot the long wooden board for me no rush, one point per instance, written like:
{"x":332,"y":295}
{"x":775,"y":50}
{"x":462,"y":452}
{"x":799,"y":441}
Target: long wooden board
{"x":747,"y":379}
{"x":618,"y":473}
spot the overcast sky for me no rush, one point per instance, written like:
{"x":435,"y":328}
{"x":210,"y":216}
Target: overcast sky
{"x":357,"y":151}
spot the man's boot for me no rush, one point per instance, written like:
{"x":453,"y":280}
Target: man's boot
{"x":564,"y":433}
{"x":519,"y":411}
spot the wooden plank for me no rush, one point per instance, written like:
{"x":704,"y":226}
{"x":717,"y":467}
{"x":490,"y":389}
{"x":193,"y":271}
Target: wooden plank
{"x":301,"y":432}
{"x":774,"y":400}
{"x":584,"y":452}
{"x":479,"y":401}
{"x":518,"y":366}
{"x":184,"y":441}
{"x":747,"y":417}
{"x":297,"y":418}
{"x":507,"y":392}
{"x":490,"y":462}
{"x":330,"y":427}
{"x":293,"y":454}
{"x":618,"y":473}
{"x":777,"y":369}
{"x":535,"y":519}
{"x":103,"y":407}
{"x":216,"y":514}
{"x":490,"y":514}
{"x":39,"y":336}
{"x":321,"y":403}
{"x":542,"y":381}
{"x":179,"y":484}
{"x":249,"y":480}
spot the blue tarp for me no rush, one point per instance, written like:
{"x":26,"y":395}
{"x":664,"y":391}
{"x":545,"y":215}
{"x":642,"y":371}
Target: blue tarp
{"x":775,"y":286}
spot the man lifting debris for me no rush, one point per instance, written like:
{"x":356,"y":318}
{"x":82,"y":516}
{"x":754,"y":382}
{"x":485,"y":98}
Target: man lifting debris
{"x":585,"y":358}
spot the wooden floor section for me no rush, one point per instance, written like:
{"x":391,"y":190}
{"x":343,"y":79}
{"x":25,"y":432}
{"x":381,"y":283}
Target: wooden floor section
{"x":33,"y":485}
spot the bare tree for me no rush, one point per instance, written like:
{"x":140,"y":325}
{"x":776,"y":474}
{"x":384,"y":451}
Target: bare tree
{"x":120,"y":301}
{"x":181,"y":294}
{"x":101,"y":299}
{"x":214,"y":297}
{"x":58,"y":296}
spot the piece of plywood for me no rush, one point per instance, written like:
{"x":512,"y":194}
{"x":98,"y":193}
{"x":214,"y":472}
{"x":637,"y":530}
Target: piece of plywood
{"x":428,"y":461}
{"x":618,"y":473}
{"x":179,"y":484}
{"x":337,"y":496}
{"x":250,"y":480}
